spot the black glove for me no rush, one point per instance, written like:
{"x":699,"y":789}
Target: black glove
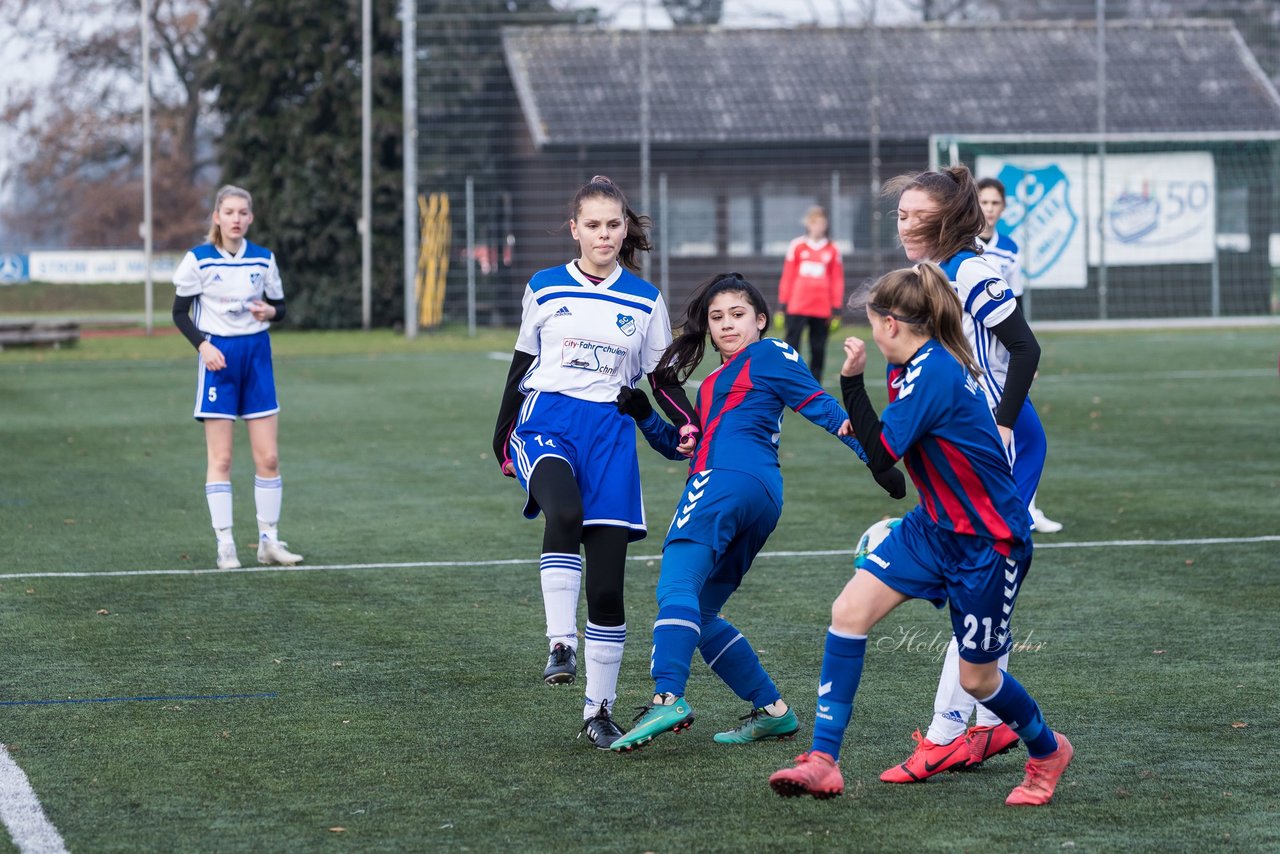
{"x":892,"y":482}
{"x":634,"y":402}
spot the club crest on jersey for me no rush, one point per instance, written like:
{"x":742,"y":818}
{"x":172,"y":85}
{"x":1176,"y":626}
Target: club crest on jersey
{"x":627,"y":324}
{"x":255,"y":279}
{"x":994,"y":288}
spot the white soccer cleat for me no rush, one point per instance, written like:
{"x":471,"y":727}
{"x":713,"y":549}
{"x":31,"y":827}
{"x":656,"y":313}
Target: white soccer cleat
{"x":227,"y":558}
{"x":276,"y":551}
{"x":1043,"y":523}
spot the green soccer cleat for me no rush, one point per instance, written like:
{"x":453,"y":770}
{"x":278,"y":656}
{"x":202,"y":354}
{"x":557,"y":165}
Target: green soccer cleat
{"x":761,"y":726}
{"x":653,"y":720}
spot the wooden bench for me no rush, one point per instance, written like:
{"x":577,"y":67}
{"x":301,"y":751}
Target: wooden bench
{"x":38,"y":334}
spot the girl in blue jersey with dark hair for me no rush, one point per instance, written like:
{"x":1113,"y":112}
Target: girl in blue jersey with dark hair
{"x":967,"y":544}
{"x":731,"y":503}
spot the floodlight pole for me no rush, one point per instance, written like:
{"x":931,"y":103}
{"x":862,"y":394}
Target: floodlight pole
{"x":644,"y":124}
{"x":366,"y":169}
{"x":409,"y":147}
{"x":146,"y":163}
{"x":1101,"y":14}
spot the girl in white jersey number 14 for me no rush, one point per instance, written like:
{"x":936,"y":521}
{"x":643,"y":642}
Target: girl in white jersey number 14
{"x":228,"y":291}
{"x":588,"y":329}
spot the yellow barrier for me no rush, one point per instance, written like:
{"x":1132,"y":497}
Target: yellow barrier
{"x":433,"y":258}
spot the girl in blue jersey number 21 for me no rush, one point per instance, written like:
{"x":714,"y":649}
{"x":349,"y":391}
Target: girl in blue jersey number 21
{"x":967,"y":544}
{"x":234,"y":286}
{"x":731,"y":503}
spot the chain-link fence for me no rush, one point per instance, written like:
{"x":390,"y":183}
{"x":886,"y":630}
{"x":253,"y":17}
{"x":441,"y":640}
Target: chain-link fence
{"x":1159,"y":200}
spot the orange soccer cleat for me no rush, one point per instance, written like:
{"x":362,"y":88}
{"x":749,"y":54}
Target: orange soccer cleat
{"x":815,"y":773}
{"x":1042,"y":776}
{"x":988,"y":741}
{"x":929,"y":759}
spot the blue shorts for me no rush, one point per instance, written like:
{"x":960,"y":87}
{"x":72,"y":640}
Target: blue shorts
{"x":923,"y":561}
{"x":1029,"y":450}
{"x":246,"y":387}
{"x":732,"y":513}
{"x":598,"y":443}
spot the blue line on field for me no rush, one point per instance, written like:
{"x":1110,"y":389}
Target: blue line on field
{"x":183,"y":698}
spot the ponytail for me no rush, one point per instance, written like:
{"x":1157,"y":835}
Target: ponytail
{"x":922,"y":297}
{"x":215,"y":233}
{"x":637,"y":239}
{"x":685,"y":353}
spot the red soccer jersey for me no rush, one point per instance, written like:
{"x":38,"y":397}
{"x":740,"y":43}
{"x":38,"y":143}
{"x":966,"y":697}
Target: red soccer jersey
{"x":812,"y":283}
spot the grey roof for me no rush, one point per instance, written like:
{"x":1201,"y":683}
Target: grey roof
{"x":713,"y":85}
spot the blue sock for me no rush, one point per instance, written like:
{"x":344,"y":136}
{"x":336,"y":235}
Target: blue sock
{"x":731,"y":657}
{"x":675,"y":637}
{"x":1014,"y":706}
{"x":841,"y":673}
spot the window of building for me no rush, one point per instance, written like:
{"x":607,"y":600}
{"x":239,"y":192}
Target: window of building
{"x":691,"y":226}
{"x":742,"y":223}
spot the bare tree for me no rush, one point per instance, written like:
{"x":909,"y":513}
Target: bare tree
{"x":78,"y":166}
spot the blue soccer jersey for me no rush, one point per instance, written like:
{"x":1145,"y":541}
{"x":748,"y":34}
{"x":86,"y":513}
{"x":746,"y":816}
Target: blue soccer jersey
{"x":740,"y":407}
{"x":938,"y":422}
{"x":987,"y":300}
{"x":591,"y":339}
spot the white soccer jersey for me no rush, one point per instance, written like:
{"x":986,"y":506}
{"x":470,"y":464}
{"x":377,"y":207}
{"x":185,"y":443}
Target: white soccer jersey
{"x":1002,"y":251}
{"x":589,"y":340}
{"x":226,"y":284}
{"x":988,"y":301}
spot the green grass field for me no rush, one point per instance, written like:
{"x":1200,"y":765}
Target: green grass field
{"x":389,"y":697}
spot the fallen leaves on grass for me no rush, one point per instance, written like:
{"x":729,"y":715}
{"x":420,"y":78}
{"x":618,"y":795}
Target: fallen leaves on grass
{"x":1238,"y":725}
{"x":103,"y":612}
{"x":337,"y":829}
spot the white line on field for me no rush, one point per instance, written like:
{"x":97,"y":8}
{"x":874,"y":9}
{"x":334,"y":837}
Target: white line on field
{"x":521,"y":561}
{"x":20,"y":809}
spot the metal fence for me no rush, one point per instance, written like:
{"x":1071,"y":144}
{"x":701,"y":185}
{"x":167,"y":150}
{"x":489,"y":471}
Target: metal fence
{"x":1140,"y":157}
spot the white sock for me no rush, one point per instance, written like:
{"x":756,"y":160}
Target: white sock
{"x":604,"y":659}
{"x":776,"y":709}
{"x":224,"y":536}
{"x":267,"y":495}
{"x":952,"y":705}
{"x":218,"y":494}
{"x":986,"y":717}
{"x":561,"y":576}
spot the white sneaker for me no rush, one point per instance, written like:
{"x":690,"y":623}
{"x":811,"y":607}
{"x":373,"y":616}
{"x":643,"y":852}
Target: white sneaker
{"x":276,"y":551}
{"x":227,"y":558}
{"x":1043,"y":523}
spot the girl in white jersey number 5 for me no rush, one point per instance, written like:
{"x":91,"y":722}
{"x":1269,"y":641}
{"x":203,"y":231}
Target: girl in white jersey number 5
{"x":234,"y":288}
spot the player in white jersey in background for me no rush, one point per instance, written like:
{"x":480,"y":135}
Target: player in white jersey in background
{"x":234,"y":287}
{"x":1002,"y":251}
{"x":939,"y":219}
{"x":588,"y":329}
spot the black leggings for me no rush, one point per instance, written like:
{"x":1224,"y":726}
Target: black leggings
{"x":819,"y":328}
{"x":555,"y":489}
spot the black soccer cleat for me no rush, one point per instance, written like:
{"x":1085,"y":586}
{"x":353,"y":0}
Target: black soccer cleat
{"x":562,"y":666}
{"x":601,"y":730}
